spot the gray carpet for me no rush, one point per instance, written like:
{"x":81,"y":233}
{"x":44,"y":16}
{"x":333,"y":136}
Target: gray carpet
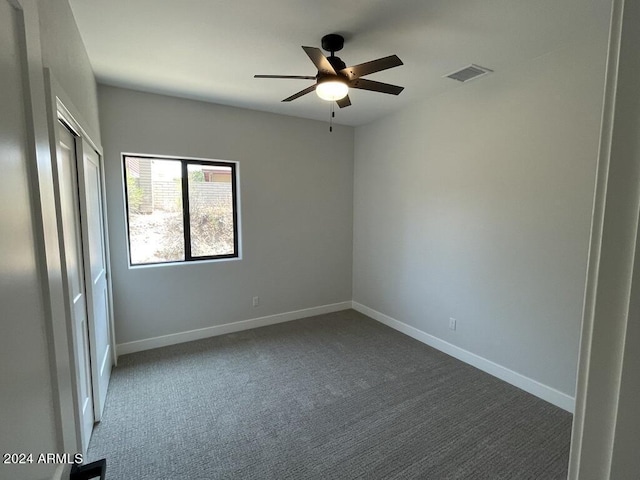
{"x":337,"y":396}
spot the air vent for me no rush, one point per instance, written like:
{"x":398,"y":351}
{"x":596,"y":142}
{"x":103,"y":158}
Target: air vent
{"x":469,"y":73}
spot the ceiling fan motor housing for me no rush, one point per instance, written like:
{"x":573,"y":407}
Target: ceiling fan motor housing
{"x":336,"y":63}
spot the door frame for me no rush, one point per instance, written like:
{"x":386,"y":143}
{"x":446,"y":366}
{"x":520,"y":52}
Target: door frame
{"x":606,"y":423}
{"x":60,"y":108}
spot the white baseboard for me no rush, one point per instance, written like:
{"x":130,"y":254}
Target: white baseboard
{"x":174,"y":338}
{"x":527,"y":384}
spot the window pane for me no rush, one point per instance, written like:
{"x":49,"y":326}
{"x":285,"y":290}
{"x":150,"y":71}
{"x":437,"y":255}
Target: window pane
{"x":211,"y":210}
{"x":154,"y":197}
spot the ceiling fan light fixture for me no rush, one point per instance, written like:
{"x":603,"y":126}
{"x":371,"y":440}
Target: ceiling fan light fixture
{"x":332,"y":89}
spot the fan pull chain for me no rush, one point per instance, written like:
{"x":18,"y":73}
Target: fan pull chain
{"x":333,"y":114}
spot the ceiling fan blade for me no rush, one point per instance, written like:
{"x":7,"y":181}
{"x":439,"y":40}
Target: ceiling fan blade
{"x":319,"y":60}
{"x":364,"y":84}
{"x":301,"y":77}
{"x":357,"y":71}
{"x":300,"y":93}
{"x":344,"y":102}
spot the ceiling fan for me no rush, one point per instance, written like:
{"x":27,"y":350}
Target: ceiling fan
{"x":334,"y":78}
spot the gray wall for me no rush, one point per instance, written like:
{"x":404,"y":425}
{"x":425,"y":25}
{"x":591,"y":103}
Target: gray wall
{"x":296,"y":184}
{"x":477,"y":205}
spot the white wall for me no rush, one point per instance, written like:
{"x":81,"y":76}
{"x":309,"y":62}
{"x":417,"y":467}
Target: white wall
{"x":26,"y":412}
{"x":28,"y":421}
{"x":296,"y":184}
{"x":64,"y":53}
{"x":477,"y":205}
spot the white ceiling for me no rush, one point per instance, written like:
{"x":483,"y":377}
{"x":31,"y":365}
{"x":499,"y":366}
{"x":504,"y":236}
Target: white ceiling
{"x":210,"y":49}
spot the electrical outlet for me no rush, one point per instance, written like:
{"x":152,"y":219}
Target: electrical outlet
{"x":452,"y":323}
{"x":256,"y":301}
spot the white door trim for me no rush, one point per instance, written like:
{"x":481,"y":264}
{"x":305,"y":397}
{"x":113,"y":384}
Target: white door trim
{"x":606,"y":420}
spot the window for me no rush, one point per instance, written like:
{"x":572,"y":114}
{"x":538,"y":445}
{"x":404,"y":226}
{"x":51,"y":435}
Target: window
{"x":180,"y":210}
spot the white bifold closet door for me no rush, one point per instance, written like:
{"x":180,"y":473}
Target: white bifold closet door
{"x":95,"y":267}
{"x":75,"y":280}
{"x":81,"y":215}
